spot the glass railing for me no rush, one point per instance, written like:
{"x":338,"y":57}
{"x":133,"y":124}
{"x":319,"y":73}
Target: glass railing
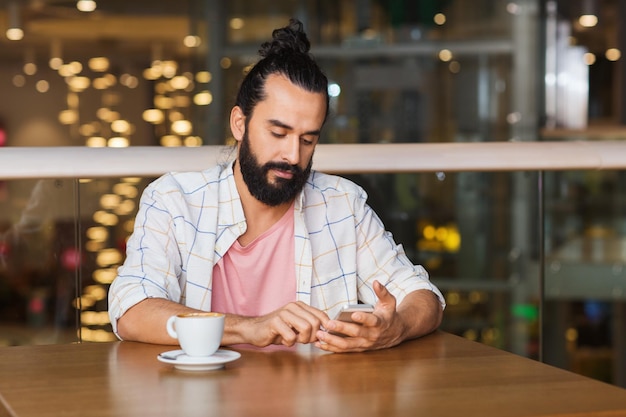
{"x":526,"y":240}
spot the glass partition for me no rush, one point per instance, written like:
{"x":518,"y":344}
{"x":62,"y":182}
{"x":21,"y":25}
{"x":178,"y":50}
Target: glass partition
{"x":62,"y":240}
{"x":585,"y":278}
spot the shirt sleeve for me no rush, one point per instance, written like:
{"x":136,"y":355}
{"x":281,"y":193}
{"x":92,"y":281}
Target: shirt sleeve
{"x":153,"y":260}
{"x":380,"y":258}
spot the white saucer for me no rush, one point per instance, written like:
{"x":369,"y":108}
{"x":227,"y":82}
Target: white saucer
{"x":198,"y":363}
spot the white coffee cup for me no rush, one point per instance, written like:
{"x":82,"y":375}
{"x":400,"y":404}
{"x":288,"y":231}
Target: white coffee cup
{"x":199,"y":334}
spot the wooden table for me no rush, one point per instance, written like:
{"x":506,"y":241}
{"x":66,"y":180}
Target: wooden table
{"x":439,"y":375}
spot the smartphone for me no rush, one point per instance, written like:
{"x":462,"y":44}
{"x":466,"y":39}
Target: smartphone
{"x":345,"y":314}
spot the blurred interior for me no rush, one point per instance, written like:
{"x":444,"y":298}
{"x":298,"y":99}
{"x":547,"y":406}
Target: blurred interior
{"x":147,"y":73}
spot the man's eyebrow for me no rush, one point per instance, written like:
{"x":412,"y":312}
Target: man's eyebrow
{"x":278,"y":123}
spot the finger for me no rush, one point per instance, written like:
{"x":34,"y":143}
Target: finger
{"x":386,"y":300}
{"x":317,"y":313}
{"x":343,"y":328}
{"x":303,"y":322}
{"x":338,"y":344}
{"x":284,"y":333}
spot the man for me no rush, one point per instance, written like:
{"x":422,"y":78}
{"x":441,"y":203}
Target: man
{"x":275,"y":246}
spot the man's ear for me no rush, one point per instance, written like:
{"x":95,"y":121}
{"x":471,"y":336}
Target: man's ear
{"x":237,"y":123}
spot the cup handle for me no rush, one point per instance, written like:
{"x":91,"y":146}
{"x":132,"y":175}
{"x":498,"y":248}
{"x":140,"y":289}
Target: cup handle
{"x":170,"y":327}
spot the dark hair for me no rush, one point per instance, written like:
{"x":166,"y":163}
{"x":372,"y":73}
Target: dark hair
{"x":287,"y":54}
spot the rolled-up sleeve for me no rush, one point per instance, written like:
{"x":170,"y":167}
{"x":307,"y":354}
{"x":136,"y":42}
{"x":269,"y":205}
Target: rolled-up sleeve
{"x":153,"y":261}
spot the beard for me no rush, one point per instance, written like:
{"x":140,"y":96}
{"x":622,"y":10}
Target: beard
{"x":255,"y":177}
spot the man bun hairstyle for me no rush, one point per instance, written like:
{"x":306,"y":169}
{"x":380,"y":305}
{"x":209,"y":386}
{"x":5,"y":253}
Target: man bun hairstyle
{"x":286,"y":54}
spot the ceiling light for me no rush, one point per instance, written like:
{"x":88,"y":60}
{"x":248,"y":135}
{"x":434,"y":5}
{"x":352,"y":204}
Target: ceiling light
{"x":14,"y":32}
{"x":613,"y":54}
{"x":99,"y":64}
{"x":86,"y":6}
{"x":236,"y":23}
{"x":588,"y":20}
{"x":55,"y":55}
{"x":192,"y":41}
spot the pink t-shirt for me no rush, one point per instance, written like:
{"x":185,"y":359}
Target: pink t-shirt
{"x":260,"y":277}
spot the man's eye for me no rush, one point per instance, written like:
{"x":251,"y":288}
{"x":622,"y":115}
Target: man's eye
{"x":278,"y":135}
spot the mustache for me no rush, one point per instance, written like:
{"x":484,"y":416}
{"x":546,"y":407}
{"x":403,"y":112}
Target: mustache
{"x":283,"y":166}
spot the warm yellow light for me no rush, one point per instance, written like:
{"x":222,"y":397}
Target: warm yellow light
{"x":83,"y":302}
{"x":78,"y":84}
{"x":108,"y":257}
{"x":120,"y":126}
{"x":192,"y":141}
{"x":163,"y":102}
{"x":86,"y":6}
{"x":104,"y":275}
{"x":452,"y":241}
{"x":571,"y":334}
{"x":129,"y":226}
{"x":96,"y":142}
{"x":171,"y":141}
{"x":225,"y":63}
{"x":109,"y":201}
{"x":42,"y":86}
{"x":153,"y":116}
{"x":99,"y":64}
{"x":182,"y":127}
{"x":97,"y":292}
{"x":107,"y":114}
{"x":125,"y":189}
{"x":94,"y":318}
{"x":87,"y":129}
{"x":98,"y":233}
{"x":125,"y":208}
{"x":169,"y":68}
{"x":179,"y":82}
{"x":203,"y":77}
{"x":19,"y":80}
{"x":68,"y":117}
{"x":94,"y":246}
{"x":588,"y":20}
{"x":15,"y":34}
{"x":440,"y":19}
{"x":192,"y":41}
{"x":589,"y":58}
{"x":129,"y":80}
{"x":445,"y":55}
{"x":175,"y":116}
{"x":118,"y":142}
{"x":55,"y":63}
{"x":453,"y":298}
{"x":100,"y":84}
{"x":96,"y":335}
{"x":152,"y":74}
{"x":76,"y":67}
{"x":30,"y":68}
{"x":132,"y":180}
{"x":613,"y":54}
{"x":236,"y":23}
{"x":429,"y":232}
{"x":203,"y":98}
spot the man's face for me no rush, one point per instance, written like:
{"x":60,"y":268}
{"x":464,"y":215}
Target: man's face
{"x":256,"y":177}
{"x":278,"y":140}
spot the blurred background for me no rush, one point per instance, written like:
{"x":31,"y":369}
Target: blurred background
{"x":113,"y":73}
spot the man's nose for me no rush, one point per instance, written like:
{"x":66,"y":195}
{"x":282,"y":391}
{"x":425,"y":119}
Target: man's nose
{"x":291,"y":151}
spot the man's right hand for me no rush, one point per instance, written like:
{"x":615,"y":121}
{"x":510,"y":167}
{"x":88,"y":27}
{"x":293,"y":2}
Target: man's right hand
{"x":294,"y":323}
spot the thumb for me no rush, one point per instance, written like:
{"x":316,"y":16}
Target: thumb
{"x":385,"y":298}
